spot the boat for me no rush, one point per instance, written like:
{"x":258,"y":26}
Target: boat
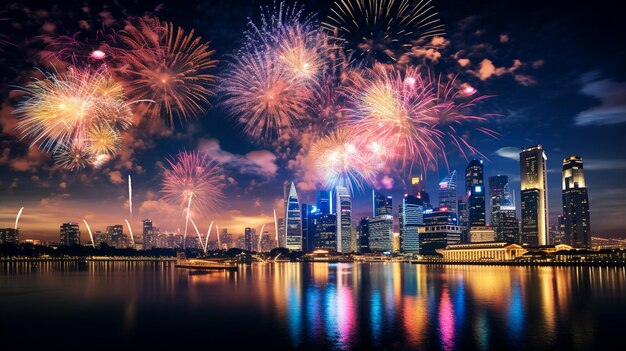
{"x":203,"y":264}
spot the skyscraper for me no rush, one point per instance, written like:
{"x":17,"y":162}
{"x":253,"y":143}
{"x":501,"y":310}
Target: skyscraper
{"x":344,"y":219}
{"x":308,"y":213}
{"x":9,"y":235}
{"x":503,"y":213}
{"x":575,"y":203}
{"x":248,"y":238}
{"x":364,"y":232}
{"x":448,"y":196}
{"x":418,"y":190}
{"x":381,"y":234}
{"x":534,"y":193}
{"x":324,"y":202}
{"x":149,"y":237}
{"x":293,"y":222}
{"x":474,"y":187}
{"x":325,"y":232}
{"x":411,"y":217}
{"x":116,"y":236}
{"x":381,"y":204}
{"x":69,"y":234}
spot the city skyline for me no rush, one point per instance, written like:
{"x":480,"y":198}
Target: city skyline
{"x":539,"y":100}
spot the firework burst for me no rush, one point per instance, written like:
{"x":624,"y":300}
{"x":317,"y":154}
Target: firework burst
{"x":103,"y":139}
{"x":61,"y":110}
{"x":394,"y":108}
{"x":83,"y":48}
{"x":193,"y":181}
{"x":73,"y":157}
{"x":163,"y":64}
{"x":344,"y":159}
{"x":382,"y":30}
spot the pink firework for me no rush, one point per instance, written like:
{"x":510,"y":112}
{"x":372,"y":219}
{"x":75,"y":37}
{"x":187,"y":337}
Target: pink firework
{"x":193,"y":181}
{"x":394,"y":106}
{"x":82,"y":48}
{"x":167,"y":66}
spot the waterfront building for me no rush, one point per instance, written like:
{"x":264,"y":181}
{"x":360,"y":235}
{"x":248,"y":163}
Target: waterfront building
{"x":344,"y":219}
{"x":448,"y":195}
{"x":475,"y":188}
{"x":482,"y":234}
{"x":437,"y":236}
{"x":117,"y":238}
{"x":293,"y":221}
{"x":534,"y":196}
{"x":364,"y":232}
{"x":324,"y":202}
{"x":576,"y":218}
{"x":381,"y":234}
{"x":441,"y":216}
{"x":69,"y":234}
{"x":418,"y":190}
{"x":382,"y":205}
{"x":486,"y":251}
{"x":9,"y":235}
{"x":411,"y":217}
{"x":308,"y":212}
{"x":503,"y":213}
{"x":248,"y":238}
{"x":325,"y":232}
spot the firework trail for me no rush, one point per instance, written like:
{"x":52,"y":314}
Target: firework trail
{"x":260,"y":236}
{"x":130,"y":196}
{"x":187,"y":218}
{"x":199,"y":236}
{"x":193,"y":181}
{"x":208,"y":233}
{"x":86,"y":47}
{"x":164,"y":64}
{"x":132,"y":237}
{"x":93,"y":243}
{"x":382,"y":30}
{"x":397,"y":108}
{"x":217,"y":231}
{"x":17,"y":218}
{"x":4,"y":39}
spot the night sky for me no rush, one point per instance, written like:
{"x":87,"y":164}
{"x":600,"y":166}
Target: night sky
{"x":555,"y":70}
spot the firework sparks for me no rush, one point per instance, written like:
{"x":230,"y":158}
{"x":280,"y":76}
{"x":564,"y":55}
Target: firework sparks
{"x":394,"y":108}
{"x":82,"y":48}
{"x":194,"y":181}
{"x":342,"y":159}
{"x":199,"y":236}
{"x":130,"y":230}
{"x":208,"y":234}
{"x":382,"y":30}
{"x":130,"y":196}
{"x":90,"y":234}
{"x":103,"y":140}
{"x":163,"y":64}
{"x":276,"y":226}
{"x":258,"y":247}
{"x":74,"y":157}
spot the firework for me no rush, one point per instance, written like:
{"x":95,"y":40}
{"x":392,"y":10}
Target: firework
{"x":90,"y":234}
{"x":82,"y":48}
{"x":62,"y":109}
{"x":17,"y":218}
{"x":382,"y":30}
{"x":163,"y":64}
{"x":260,"y":236}
{"x":394,"y":108}
{"x":199,"y":236}
{"x":102,"y":139}
{"x":130,"y":230}
{"x":193,"y":181}
{"x":342,"y":159}
{"x":208,"y":234}
{"x":73,"y":157}
{"x":130,"y":196}
{"x":275,"y":226}
{"x":263,"y":96}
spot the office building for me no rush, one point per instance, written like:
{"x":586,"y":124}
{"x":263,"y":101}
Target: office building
{"x":382,"y":205}
{"x":293,"y":222}
{"x":576,"y":219}
{"x":503,"y":213}
{"x":248,"y":238}
{"x":308,"y":212}
{"x":482,"y":234}
{"x":534,"y":196}
{"x":9,"y":235}
{"x":69,"y":234}
{"x":325,"y":232}
{"x":433,"y":237}
{"x":448,"y":194}
{"x":364,"y":232}
{"x":418,"y":190}
{"x":475,"y":189}
{"x":411,"y":217}
{"x":324,"y":202}
{"x":381,"y":234}
{"x":344,"y":219}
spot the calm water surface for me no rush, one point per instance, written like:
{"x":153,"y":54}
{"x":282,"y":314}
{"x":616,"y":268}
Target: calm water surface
{"x":313,"y":306}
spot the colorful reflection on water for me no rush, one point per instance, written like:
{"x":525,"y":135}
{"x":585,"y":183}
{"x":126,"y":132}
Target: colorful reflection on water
{"x":314,"y":305}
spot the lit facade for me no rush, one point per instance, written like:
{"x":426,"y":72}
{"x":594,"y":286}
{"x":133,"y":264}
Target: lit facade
{"x":576,"y":218}
{"x":482,"y":234}
{"x":69,"y":234}
{"x":325,"y":232}
{"x":448,"y":194}
{"x":437,"y":237}
{"x":411,"y":217}
{"x":381,"y":234}
{"x":9,"y":235}
{"x":293,"y":221}
{"x":534,"y":196}
{"x":503,"y":212}
{"x":490,"y":251}
{"x":344,"y":219}
{"x":382,"y":205}
{"x":475,"y":189}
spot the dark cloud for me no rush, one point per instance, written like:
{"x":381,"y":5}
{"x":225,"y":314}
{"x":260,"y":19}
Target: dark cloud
{"x":611,"y":96}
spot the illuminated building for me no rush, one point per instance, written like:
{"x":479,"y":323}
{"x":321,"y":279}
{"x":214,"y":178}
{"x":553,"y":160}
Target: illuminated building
{"x":575,"y":203}
{"x":116,"y":236}
{"x":411,"y":217}
{"x":463,"y":219}
{"x":69,"y":234}
{"x":9,"y":235}
{"x":381,"y":234}
{"x":418,"y":190}
{"x":534,"y":194}
{"x":433,"y":237}
{"x":559,"y":237}
{"x":364,"y":232}
{"x":324,"y":202}
{"x":503,"y":214}
{"x":293,"y":222}
{"x":490,"y":251}
{"x":226,"y":239}
{"x":475,"y":189}
{"x":248,"y":234}
{"x":447,"y":194}
{"x":381,"y":205}
{"x":308,"y":212}
{"x":344,"y":219}
{"x":482,"y":234}
{"x":150,"y":234}
{"x":440,"y":216}
{"x":326,"y":232}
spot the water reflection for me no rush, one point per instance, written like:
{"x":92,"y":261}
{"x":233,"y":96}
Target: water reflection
{"x":319,"y":305}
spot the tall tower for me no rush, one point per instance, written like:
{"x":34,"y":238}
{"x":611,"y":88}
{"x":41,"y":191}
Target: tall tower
{"x":382,"y":205}
{"x":344,"y":219}
{"x":447,"y":195}
{"x":475,"y":188}
{"x":418,"y":190}
{"x":534,"y":193}
{"x":324,"y":202}
{"x":293,"y":220}
{"x":503,"y":213}
{"x":411,"y":217}
{"x":497,"y":196}
{"x":69,"y":234}
{"x":575,"y":203}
